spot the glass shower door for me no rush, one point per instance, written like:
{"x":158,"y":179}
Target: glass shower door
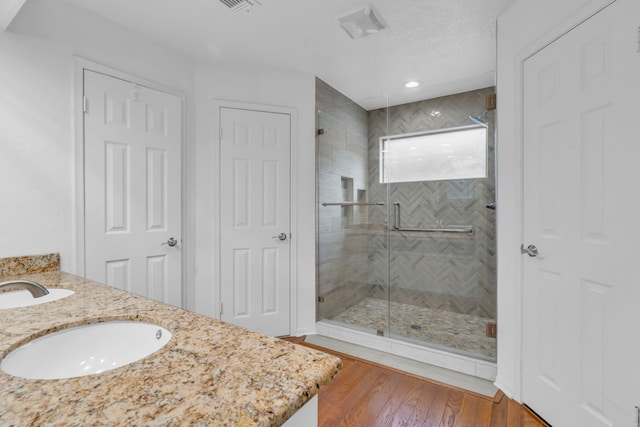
{"x":442,"y":269}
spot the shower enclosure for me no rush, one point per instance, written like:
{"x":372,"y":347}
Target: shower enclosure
{"x":406,"y":242}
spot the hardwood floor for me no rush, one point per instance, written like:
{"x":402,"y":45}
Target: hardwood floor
{"x":370,"y":395}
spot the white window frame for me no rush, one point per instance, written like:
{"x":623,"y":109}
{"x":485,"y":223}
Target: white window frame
{"x":383,"y":140}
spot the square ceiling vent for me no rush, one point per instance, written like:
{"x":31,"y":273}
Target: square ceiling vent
{"x":362,"y":22}
{"x":241,"y":5}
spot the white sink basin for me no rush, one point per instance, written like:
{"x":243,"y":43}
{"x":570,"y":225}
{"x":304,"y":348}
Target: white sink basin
{"x":85,"y":350}
{"x":15,"y":299}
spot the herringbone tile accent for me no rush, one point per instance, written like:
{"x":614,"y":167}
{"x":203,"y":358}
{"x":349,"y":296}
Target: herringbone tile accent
{"x":454,"y":272}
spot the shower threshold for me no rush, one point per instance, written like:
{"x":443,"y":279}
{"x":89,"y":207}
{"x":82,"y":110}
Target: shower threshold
{"x":473,"y":366}
{"x":438,"y":337}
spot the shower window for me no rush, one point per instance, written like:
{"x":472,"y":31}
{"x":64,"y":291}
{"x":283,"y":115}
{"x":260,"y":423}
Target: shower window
{"x":450,"y":154}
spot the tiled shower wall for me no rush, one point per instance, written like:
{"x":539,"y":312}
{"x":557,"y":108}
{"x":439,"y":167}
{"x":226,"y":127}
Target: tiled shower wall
{"x":448,"y":271}
{"x":454,"y":272}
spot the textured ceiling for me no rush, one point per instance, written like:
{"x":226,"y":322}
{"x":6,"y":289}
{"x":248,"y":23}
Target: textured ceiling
{"x":448,"y":44}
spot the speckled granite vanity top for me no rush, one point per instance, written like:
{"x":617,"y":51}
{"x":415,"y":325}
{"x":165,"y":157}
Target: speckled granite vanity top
{"x":210,"y":373}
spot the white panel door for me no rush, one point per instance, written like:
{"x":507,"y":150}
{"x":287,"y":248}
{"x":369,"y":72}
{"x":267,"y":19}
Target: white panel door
{"x":132,"y":145}
{"x":580,"y":321}
{"x":255,"y":208}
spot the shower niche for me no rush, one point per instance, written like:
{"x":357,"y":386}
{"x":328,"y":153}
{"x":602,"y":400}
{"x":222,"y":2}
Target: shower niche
{"x":347,"y":196}
{"x":427,"y":285}
{"x":354,"y":211}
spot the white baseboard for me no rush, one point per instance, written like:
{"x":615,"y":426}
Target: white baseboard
{"x":305,"y":331}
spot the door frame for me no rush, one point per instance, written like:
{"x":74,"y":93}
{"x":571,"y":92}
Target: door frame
{"x":80,"y":65}
{"x":519,"y":37}
{"x":217,"y":104}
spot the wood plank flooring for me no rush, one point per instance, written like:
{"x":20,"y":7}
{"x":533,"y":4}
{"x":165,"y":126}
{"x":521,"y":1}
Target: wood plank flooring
{"x":366,"y":394}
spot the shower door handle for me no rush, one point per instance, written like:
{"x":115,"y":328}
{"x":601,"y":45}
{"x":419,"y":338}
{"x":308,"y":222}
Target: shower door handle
{"x":530,"y":250}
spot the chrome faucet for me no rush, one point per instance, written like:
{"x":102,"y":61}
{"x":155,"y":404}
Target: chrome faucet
{"x":36,"y":289}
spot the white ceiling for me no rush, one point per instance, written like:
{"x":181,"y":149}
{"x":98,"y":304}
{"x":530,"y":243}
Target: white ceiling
{"x":448,"y":44}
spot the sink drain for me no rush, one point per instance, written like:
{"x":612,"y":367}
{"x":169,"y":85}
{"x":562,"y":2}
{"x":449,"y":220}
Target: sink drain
{"x":416,"y":327}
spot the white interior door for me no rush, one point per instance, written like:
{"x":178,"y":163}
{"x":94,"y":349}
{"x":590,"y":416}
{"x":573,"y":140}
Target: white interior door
{"x":581,"y":174}
{"x":132,"y":145}
{"x":255,"y":208}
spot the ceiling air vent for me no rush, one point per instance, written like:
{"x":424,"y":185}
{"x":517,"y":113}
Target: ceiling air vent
{"x":362,"y":22}
{"x":240,"y":5}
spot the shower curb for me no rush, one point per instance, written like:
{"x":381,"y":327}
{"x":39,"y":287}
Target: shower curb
{"x":467,"y":365}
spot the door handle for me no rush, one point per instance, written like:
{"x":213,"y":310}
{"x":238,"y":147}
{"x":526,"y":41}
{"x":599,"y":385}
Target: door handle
{"x":171,"y":242}
{"x":530,"y":250}
{"x":281,"y":236}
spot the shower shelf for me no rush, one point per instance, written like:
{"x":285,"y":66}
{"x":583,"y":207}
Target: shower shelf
{"x":353,"y":204}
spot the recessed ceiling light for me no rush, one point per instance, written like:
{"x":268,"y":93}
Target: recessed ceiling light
{"x":412,"y":83}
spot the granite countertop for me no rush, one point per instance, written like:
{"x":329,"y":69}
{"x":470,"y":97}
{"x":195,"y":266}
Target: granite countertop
{"x":210,"y":373}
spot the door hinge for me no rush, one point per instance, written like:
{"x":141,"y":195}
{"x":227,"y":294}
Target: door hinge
{"x":220,"y":133}
{"x":221,"y":308}
{"x":638,"y":49}
{"x":84,"y":104}
{"x":492,"y":330}
{"x":491,"y":102}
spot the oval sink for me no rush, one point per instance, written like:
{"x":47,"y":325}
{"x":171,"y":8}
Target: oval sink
{"x":15,"y":299}
{"x":85,"y":350}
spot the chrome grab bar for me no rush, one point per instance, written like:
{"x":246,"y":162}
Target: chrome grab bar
{"x":397,"y":227}
{"x":353,"y":204}
{"x":466,"y":230}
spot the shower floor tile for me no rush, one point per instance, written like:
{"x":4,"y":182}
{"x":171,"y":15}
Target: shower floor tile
{"x":462,"y":333}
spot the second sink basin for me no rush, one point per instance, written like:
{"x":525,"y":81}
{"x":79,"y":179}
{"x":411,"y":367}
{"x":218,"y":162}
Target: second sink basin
{"x":85,"y":350}
{"x":15,"y":299}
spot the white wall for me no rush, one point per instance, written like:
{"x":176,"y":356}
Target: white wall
{"x":36,"y":116}
{"x":523,"y":29}
{"x":260,"y":86}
